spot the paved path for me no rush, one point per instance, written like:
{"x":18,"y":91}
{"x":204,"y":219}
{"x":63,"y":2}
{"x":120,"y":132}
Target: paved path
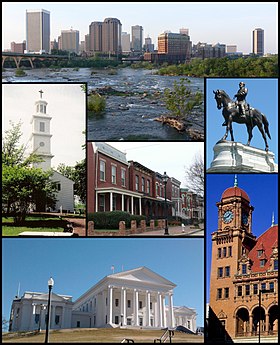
{"x":187,"y":231}
{"x":79,"y":225}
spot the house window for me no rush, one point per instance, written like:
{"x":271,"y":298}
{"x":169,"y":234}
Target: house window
{"x":57,"y":319}
{"x":219,"y":252}
{"x":239,"y":290}
{"x":123,"y":177}
{"x":263,"y":286}
{"x":230,"y":251}
{"x":136,"y":182}
{"x":94,"y":320}
{"x":224,"y":252}
{"x":58,"y":187}
{"x":116,"y":302}
{"x":114,"y":174}
{"x":37,"y":317}
{"x":156,"y":189}
{"x":128,"y":321}
{"x":102,"y":170}
{"x":128,"y":303}
{"x":226,"y":292}
{"x":259,"y":253}
{"x":188,"y":324}
{"x":101,"y":203}
{"x":148,"y":186}
{"x":42,"y":126}
{"x":220,"y":272}
{"x":275,"y":265}
{"x":227,"y":271}
{"x":143,"y":184}
{"x":116,"y":319}
{"x":244,"y":268}
{"x":247,"y":290}
{"x":219,"y":293}
{"x":140,"y":305}
{"x":78,"y":324}
{"x":262,"y":263}
{"x":151,"y":305}
{"x":255,"y":289}
{"x":271,"y":287}
{"x":106,"y":301}
{"x":140,"y":321}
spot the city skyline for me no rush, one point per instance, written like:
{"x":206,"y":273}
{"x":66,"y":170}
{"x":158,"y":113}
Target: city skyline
{"x":92,"y":259}
{"x":169,"y":17}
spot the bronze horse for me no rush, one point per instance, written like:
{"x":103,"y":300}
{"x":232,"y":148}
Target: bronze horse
{"x":252,"y":118}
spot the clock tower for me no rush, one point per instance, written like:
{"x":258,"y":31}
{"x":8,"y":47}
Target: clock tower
{"x":41,"y":137}
{"x":231,"y":243}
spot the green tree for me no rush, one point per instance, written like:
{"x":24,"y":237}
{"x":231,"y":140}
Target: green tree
{"x":181,"y":101}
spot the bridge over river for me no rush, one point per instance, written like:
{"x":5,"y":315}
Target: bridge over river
{"x":18,"y":57}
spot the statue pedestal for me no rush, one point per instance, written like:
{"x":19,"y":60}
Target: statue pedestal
{"x":230,"y":156}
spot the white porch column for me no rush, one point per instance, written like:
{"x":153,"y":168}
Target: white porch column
{"x":122,"y":202}
{"x":148,"y":315}
{"x":140,"y":207}
{"x":164,"y":311}
{"x":123,"y":305}
{"x":111,"y":201}
{"x":96,"y":201}
{"x":135,"y":307}
{"x":110,"y":301}
{"x":132,"y":205}
{"x":52,"y":321}
{"x":159,"y":310}
{"x":171,"y":311}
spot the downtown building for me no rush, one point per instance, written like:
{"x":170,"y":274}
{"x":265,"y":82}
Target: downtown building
{"x":37,"y":31}
{"x":137,"y":298}
{"x":208,"y":51}
{"x":244,"y":274}
{"x":258,"y":42}
{"x":105,"y":37}
{"x":69,"y":41}
{"x":137,"y":38}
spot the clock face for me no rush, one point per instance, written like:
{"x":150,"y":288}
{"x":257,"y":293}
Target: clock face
{"x":244,"y":218}
{"x":228,"y":216}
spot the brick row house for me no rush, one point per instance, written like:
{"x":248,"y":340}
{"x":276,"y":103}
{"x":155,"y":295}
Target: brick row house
{"x":117,"y":184}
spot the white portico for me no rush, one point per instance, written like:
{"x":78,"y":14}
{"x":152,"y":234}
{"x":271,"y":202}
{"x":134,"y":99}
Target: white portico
{"x":135,"y":298}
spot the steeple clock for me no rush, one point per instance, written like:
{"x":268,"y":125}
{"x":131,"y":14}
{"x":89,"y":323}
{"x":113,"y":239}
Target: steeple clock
{"x":41,"y":137}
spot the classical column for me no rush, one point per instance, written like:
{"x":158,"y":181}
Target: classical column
{"x":148,"y":315}
{"x":140,"y":207}
{"x":52,"y":321}
{"x":163,"y":311}
{"x":122,"y":202}
{"x":251,"y":324}
{"x":132,"y":205}
{"x":110,"y":303}
{"x":159,"y":310}
{"x":171,"y":311}
{"x":111,"y":201}
{"x":267,"y":323}
{"x":123,"y":305}
{"x":96,"y":201}
{"x":135,"y":306}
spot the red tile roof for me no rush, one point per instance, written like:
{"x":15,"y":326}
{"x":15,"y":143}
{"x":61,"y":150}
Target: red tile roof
{"x":235,"y":191}
{"x":265,"y":242}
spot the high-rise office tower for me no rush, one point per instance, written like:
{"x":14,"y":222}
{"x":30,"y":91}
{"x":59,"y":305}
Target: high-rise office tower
{"x":38,"y":31}
{"x":70,"y":40}
{"x":95,"y":37}
{"x":111,"y":36}
{"x":125,"y":42}
{"x":137,"y":38}
{"x":258,"y":41}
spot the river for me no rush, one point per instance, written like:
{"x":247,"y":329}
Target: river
{"x":129,"y":117}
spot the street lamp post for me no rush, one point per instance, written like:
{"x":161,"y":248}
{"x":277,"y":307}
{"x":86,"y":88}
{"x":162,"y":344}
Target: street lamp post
{"x":165,"y":179}
{"x":260,"y":292}
{"x":50,"y":284}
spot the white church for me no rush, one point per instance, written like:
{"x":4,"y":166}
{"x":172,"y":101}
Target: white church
{"x":41,"y":145}
{"x":137,"y":298}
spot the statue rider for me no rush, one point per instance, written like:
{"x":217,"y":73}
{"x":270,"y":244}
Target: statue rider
{"x":241,"y":96}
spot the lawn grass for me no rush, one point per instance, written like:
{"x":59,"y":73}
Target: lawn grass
{"x":100,"y":335}
{"x":16,"y":230}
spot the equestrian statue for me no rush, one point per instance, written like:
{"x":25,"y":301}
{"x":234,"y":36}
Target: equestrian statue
{"x":241,"y":112}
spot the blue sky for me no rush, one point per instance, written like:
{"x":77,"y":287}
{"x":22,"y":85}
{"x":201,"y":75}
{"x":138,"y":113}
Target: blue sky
{"x":211,"y":22}
{"x":262,"y":190}
{"x":77,"y":264}
{"x":262,"y":95}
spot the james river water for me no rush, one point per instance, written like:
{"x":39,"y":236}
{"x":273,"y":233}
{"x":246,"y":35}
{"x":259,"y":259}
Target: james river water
{"x":129,"y":117}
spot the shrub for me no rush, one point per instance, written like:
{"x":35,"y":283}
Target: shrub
{"x":20,"y":73}
{"x":110,"y":220}
{"x":96,"y":103}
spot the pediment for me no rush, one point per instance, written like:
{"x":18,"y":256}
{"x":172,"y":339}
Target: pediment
{"x":55,"y":298}
{"x":143,"y":275}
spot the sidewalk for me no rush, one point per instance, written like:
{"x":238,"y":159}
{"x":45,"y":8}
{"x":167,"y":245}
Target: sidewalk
{"x":187,"y":231}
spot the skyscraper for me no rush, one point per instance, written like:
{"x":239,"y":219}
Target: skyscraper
{"x":70,"y":40}
{"x":38,"y":31}
{"x":258,"y":41}
{"x":111,"y":36}
{"x":137,"y":38}
{"x":125,"y":42}
{"x":95,"y":37}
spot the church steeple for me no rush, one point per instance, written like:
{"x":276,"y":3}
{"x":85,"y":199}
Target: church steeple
{"x":41,"y":137}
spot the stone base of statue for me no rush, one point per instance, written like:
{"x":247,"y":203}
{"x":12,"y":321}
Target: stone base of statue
{"x":230,"y":156}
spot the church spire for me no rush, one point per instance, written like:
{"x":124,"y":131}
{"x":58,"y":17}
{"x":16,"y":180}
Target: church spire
{"x":235,"y":181}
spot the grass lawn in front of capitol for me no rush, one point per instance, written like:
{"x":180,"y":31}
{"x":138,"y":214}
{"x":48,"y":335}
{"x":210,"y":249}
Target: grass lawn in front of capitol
{"x":98,"y":335}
